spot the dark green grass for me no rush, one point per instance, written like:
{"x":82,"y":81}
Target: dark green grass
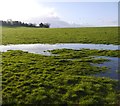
{"x":38,"y":80}
{"x":70,"y":53}
{"x":97,"y":35}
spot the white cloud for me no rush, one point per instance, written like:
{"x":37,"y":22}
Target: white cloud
{"x":108,"y":22}
{"x":54,"y":22}
{"x":24,"y":10}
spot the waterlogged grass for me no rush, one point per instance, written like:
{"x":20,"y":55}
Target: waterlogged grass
{"x":22,"y":35}
{"x":70,"y":53}
{"x":36,"y":79}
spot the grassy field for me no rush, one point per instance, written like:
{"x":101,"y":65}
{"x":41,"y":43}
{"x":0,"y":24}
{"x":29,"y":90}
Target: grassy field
{"x":21,"y":35}
{"x":38,"y":80}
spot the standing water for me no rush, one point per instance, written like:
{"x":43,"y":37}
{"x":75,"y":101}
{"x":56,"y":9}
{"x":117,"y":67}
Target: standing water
{"x":112,"y":65}
{"x":40,"y":48}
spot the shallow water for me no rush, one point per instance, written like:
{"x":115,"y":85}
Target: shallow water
{"x":113,"y":65}
{"x":40,"y":48}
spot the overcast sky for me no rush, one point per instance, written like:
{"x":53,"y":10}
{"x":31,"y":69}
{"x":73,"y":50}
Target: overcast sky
{"x":63,"y":13}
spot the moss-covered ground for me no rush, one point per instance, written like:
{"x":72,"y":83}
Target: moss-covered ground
{"x":64,"y":79}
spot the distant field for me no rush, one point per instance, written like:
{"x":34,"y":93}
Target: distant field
{"x":22,"y":35}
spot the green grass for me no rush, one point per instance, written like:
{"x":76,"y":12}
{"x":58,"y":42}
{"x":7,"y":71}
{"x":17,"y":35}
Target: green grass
{"x":70,"y":53}
{"x":22,"y":35}
{"x":36,"y":79}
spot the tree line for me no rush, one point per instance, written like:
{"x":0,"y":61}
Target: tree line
{"x":11,"y":23}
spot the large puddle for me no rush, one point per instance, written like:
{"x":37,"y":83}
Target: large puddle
{"x":41,"y":48}
{"x":113,"y":67}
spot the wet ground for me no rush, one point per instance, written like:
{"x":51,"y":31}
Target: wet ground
{"x":113,"y":64}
